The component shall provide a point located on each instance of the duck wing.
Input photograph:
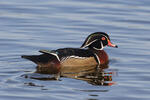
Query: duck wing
(64, 53)
(59, 54)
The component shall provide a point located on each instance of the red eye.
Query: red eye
(103, 38)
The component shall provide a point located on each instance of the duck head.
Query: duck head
(97, 41)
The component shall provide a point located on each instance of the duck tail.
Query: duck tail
(43, 58)
(33, 58)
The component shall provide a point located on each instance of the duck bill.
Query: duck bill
(112, 45)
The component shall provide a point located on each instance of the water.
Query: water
(27, 26)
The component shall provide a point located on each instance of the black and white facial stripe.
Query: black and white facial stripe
(96, 41)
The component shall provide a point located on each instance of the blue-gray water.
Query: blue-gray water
(27, 26)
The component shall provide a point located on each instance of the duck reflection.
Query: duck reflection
(95, 75)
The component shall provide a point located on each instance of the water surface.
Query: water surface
(27, 26)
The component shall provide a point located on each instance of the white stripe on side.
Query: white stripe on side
(55, 56)
(73, 56)
(77, 57)
(97, 59)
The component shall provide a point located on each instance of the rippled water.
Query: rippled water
(27, 26)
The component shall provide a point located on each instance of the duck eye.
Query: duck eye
(103, 38)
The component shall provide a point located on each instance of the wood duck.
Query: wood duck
(91, 53)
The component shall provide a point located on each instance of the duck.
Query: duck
(91, 53)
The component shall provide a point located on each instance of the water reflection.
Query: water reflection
(95, 75)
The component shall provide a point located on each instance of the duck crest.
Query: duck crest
(97, 41)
